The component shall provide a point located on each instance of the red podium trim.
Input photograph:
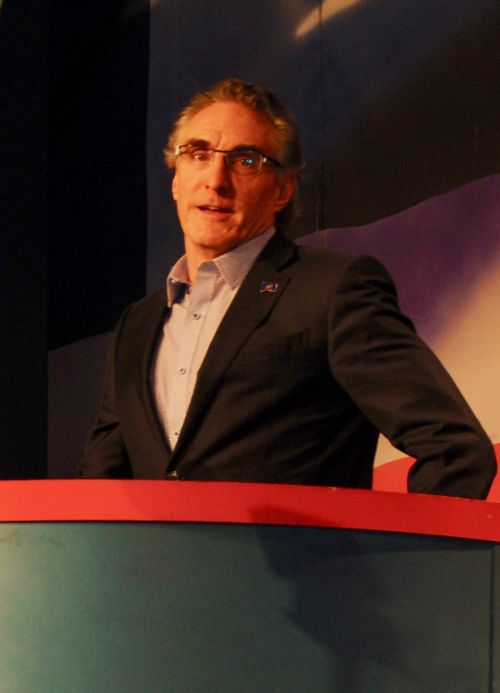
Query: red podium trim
(230, 502)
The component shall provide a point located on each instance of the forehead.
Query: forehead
(227, 124)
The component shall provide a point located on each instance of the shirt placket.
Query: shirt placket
(199, 299)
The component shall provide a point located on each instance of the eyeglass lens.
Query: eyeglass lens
(241, 161)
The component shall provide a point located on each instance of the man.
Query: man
(266, 361)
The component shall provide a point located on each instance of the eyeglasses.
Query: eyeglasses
(243, 162)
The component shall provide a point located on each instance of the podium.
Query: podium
(194, 587)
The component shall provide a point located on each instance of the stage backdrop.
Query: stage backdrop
(398, 106)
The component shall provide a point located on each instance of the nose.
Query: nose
(218, 174)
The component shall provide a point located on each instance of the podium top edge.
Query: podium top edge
(92, 500)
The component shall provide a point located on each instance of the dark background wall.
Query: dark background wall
(23, 239)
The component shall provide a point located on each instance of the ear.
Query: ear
(286, 189)
(174, 186)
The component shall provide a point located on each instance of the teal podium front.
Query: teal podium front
(185, 587)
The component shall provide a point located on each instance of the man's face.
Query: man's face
(219, 210)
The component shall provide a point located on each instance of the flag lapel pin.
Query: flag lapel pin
(268, 287)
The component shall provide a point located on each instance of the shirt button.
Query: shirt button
(196, 316)
(182, 371)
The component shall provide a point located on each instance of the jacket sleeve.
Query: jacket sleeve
(400, 385)
(105, 455)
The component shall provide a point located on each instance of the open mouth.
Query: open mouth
(214, 209)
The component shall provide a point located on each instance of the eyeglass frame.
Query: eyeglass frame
(264, 158)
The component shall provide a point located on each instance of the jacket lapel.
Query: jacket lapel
(249, 309)
(147, 338)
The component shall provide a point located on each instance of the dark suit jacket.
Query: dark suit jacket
(295, 387)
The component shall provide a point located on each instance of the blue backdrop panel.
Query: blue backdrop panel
(409, 103)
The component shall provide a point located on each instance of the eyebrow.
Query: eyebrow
(239, 148)
(201, 143)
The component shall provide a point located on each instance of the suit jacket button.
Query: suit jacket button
(172, 476)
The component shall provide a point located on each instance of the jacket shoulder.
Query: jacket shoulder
(339, 264)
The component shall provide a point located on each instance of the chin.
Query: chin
(216, 241)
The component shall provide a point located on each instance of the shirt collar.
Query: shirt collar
(233, 266)
(177, 281)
